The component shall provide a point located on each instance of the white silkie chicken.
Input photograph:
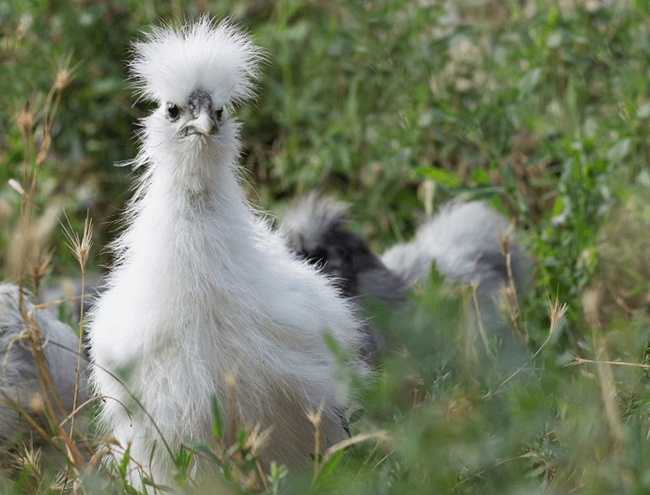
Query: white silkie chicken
(21, 389)
(202, 288)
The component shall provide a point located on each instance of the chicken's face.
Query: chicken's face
(192, 73)
(198, 116)
(193, 127)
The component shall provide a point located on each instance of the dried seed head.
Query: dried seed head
(315, 415)
(28, 239)
(62, 79)
(257, 439)
(39, 268)
(80, 247)
(27, 459)
(24, 117)
(64, 73)
(36, 403)
(63, 483)
(557, 312)
(504, 241)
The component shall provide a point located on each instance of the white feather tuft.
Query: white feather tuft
(455, 239)
(311, 218)
(215, 57)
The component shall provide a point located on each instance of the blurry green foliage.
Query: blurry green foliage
(540, 108)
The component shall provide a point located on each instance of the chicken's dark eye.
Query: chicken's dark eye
(218, 114)
(173, 111)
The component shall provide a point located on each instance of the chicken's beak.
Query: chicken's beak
(204, 125)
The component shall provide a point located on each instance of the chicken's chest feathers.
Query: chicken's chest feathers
(186, 271)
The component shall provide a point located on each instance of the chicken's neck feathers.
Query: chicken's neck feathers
(191, 224)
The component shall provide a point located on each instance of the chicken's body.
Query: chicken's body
(203, 289)
(20, 386)
(463, 241)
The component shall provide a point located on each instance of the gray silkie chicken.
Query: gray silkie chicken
(463, 240)
(20, 386)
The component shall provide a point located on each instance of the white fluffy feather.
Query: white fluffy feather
(202, 287)
(455, 239)
(170, 63)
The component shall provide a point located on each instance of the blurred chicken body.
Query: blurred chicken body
(20, 387)
(463, 241)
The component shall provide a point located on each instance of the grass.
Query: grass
(540, 108)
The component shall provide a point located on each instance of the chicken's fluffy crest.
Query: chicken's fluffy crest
(219, 58)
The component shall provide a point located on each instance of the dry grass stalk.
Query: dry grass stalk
(27, 249)
(381, 435)
(479, 318)
(577, 361)
(80, 249)
(230, 385)
(25, 416)
(613, 417)
(24, 118)
(251, 480)
(608, 393)
(509, 292)
(35, 343)
(39, 269)
(29, 258)
(49, 404)
(315, 417)
(27, 237)
(466, 336)
(557, 312)
(592, 302)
